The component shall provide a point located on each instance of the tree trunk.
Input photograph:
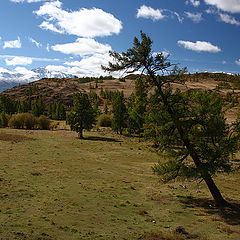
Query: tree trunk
(80, 134)
(219, 200)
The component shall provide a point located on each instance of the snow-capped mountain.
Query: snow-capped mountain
(11, 78)
(44, 73)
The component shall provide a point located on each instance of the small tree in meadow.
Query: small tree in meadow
(83, 116)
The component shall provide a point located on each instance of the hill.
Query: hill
(62, 89)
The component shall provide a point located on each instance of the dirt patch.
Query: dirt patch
(14, 137)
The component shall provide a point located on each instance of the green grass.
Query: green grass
(55, 186)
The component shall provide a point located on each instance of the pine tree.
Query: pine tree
(195, 123)
(119, 111)
(83, 116)
(137, 108)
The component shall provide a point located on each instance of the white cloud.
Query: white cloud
(199, 46)
(33, 58)
(148, 12)
(83, 23)
(193, 2)
(27, 73)
(228, 19)
(195, 17)
(232, 6)
(156, 14)
(38, 45)
(49, 26)
(91, 66)
(13, 44)
(165, 53)
(238, 62)
(18, 61)
(82, 47)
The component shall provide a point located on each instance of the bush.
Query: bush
(16, 121)
(104, 120)
(44, 123)
(29, 120)
(22, 120)
(54, 124)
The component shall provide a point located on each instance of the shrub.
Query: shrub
(29, 120)
(44, 123)
(16, 121)
(53, 124)
(22, 120)
(104, 120)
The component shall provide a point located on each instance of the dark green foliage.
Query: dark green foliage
(200, 114)
(24, 106)
(38, 108)
(137, 108)
(7, 105)
(94, 79)
(4, 119)
(119, 111)
(82, 116)
(56, 111)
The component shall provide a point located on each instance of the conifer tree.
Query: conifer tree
(195, 123)
(119, 111)
(83, 116)
(137, 108)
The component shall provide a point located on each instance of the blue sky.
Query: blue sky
(74, 36)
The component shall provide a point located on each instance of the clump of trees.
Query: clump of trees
(189, 126)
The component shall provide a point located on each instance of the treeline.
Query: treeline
(17, 113)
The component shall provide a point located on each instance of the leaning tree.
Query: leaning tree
(190, 125)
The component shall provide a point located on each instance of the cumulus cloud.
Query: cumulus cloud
(38, 45)
(195, 17)
(83, 23)
(149, 12)
(232, 6)
(18, 61)
(238, 62)
(82, 47)
(199, 46)
(193, 2)
(228, 19)
(156, 14)
(13, 44)
(33, 58)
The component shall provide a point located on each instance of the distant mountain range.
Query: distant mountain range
(9, 79)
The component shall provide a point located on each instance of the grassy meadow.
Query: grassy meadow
(56, 186)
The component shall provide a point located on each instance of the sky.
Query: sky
(75, 36)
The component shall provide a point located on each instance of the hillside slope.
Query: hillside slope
(62, 89)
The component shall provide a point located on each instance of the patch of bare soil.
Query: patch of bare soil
(14, 137)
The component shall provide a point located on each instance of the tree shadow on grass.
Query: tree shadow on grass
(229, 214)
(104, 139)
